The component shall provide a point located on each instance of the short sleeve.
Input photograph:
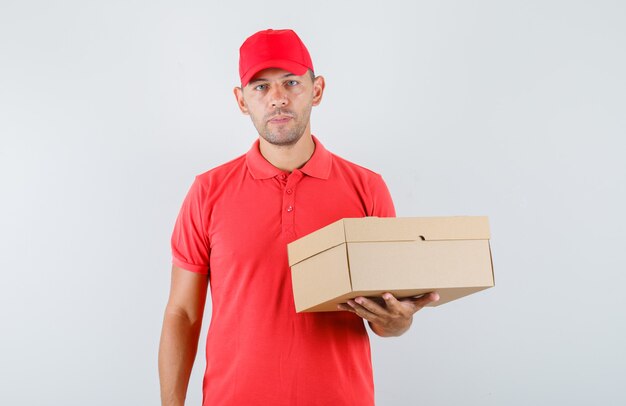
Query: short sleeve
(382, 203)
(190, 243)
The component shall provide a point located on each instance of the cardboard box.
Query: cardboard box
(405, 256)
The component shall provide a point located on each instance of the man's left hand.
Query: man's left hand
(393, 317)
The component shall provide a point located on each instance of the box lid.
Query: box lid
(372, 229)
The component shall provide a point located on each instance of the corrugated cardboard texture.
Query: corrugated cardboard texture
(322, 277)
(416, 228)
(404, 256)
(314, 243)
(419, 264)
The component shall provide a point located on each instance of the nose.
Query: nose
(278, 97)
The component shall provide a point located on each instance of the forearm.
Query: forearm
(177, 352)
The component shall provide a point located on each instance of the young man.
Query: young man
(233, 230)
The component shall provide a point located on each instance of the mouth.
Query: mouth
(279, 119)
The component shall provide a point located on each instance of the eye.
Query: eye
(292, 83)
(260, 87)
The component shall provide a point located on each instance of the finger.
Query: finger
(400, 306)
(391, 302)
(362, 311)
(370, 305)
(426, 299)
(345, 307)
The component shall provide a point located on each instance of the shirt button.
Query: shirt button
(290, 208)
(289, 191)
(283, 176)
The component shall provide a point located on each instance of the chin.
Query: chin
(283, 141)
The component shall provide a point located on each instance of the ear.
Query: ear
(240, 100)
(318, 89)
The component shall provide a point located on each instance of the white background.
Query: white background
(511, 109)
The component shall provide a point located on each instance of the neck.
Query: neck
(288, 157)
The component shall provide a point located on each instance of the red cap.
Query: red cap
(273, 49)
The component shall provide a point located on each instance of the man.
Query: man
(233, 229)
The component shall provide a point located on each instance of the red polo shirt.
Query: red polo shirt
(235, 224)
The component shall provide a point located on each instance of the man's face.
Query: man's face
(279, 104)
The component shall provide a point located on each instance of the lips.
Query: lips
(279, 119)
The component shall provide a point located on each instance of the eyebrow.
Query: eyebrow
(265, 80)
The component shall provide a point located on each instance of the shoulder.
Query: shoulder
(369, 185)
(345, 166)
(221, 172)
(211, 182)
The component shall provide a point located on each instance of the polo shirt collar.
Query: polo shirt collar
(318, 166)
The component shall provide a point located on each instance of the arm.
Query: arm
(391, 319)
(181, 330)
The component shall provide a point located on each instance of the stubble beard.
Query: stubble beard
(284, 136)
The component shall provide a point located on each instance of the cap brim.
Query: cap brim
(290, 66)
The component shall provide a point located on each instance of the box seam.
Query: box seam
(317, 253)
(345, 238)
(493, 273)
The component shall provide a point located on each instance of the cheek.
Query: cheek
(298, 91)
(251, 100)
(253, 108)
(255, 116)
